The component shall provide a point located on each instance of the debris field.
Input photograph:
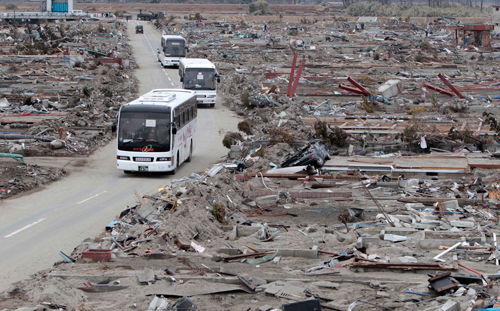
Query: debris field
(62, 86)
(364, 176)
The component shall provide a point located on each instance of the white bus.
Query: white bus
(155, 131)
(199, 75)
(174, 49)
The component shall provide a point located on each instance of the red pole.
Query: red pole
(452, 88)
(437, 89)
(291, 74)
(359, 86)
(296, 82)
(351, 89)
(472, 270)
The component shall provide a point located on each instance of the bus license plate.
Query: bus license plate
(143, 168)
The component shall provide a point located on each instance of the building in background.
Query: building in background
(58, 6)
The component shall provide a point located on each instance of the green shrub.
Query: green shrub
(28, 101)
(245, 127)
(229, 138)
(245, 99)
(219, 213)
(86, 91)
(106, 92)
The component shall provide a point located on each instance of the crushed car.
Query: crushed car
(314, 154)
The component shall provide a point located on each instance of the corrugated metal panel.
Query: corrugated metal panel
(60, 7)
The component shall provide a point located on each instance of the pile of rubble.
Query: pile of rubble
(63, 86)
(239, 236)
(20, 177)
(332, 189)
(377, 83)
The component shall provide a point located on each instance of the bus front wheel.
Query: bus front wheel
(176, 165)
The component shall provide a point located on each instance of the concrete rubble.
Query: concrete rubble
(61, 87)
(403, 216)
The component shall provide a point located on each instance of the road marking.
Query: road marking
(154, 54)
(94, 196)
(152, 50)
(25, 227)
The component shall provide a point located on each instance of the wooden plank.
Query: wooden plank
(432, 200)
(463, 126)
(480, 165)
(479, 127)
(356, 263)
(381, 162)
(244, 256)
(301, 194)
(270, 215)
(141, 201)
(303, 176)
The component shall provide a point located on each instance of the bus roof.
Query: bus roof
(196, 63)
(164, 97)
(167, 37)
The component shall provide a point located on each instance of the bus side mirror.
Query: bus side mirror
(174, 130)
(182, 79)
(187, 49)
(218, 79)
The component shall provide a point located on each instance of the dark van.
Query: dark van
(139, 29)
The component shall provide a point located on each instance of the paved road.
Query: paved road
(36, 226)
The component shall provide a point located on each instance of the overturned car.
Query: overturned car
(313, 154)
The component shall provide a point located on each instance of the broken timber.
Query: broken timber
(356, 263)
(338, 196)
(301, 176)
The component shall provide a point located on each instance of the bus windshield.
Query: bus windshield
(199, 79)
(175, 48)
(144, 131)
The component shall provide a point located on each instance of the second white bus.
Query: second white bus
(200, 75)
